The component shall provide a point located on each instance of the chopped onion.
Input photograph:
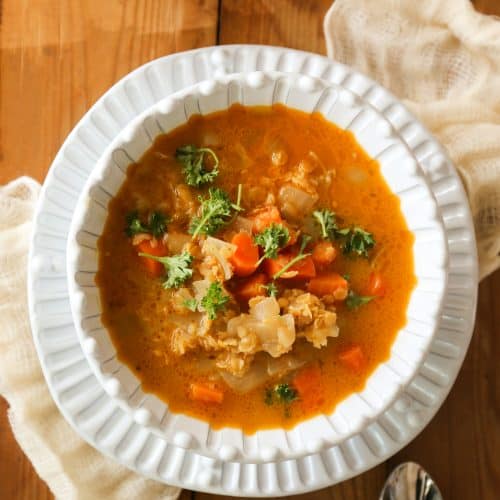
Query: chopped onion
(283, 365)
(265, 308)
(242, 224)
(221, 251)
(257, 375)
(295, 202)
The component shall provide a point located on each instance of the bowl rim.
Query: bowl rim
(254, 81)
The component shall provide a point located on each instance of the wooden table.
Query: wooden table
(58, 57)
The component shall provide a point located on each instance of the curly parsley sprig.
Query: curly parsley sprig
(271, 239)
(156, 225)
(213, 301)
(354, 240)
(177, 267)
(215, 212)
(193, 163)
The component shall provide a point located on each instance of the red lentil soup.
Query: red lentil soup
(254, 268)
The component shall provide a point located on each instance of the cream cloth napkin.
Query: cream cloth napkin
(442, 58)
(71, 467)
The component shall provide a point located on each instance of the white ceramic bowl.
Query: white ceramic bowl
(403, 175)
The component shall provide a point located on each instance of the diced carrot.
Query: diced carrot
(251, 287)
(264, 217)
(159, 250)
(376, 285)
(206, 393)
(304, 268)
(327, 284)
(353, 357)
(246, 255)
(309, 386)
(307, 378)
(324, 253)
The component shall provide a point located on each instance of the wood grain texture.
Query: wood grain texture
(57, 57)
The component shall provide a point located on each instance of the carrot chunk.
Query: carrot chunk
(251, 287)
(324, 253)
(303, 269)
(159, 250)
(246, 255)
(353, 357)
(309, 386)
(327, 284)
(376, 285)
(265, 217)
(206, 393)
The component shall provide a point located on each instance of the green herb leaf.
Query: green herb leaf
(285, 393)
(301, 255)
(191, 304)
(177, 267)
(214, 300)
(354, 240)
(215, 212)
(237, 206)
(353, 300)
(358, 241)
(271, 239)
(193, 164)
(156, 225)
(327, 220)
(271, 289)
(281, 394)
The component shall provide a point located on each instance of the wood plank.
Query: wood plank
(19, 479)
(487, 6)
(56, 59)
(288, 23)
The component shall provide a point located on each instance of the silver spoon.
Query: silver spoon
(409, 481)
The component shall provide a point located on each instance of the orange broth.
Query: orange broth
(134, 304)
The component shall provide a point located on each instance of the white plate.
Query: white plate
(404, 178)
(105, 425)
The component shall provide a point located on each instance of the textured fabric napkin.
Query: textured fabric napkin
(442, 58)
(439, 56)
(71, 467)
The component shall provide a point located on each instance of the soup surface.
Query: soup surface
(254, 267)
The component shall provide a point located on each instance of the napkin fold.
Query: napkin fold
(71, 468)
(442, 58)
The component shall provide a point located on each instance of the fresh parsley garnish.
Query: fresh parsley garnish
(354, 300)
(193, 164)
(215, 212)
(271, 239)
(354, 240)
(281, 394)
(214, 300)
(327, 221)
(191, 304)
(177, 267)
(271, 289)
(156, 225)
(358, 241)
(301, 255)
